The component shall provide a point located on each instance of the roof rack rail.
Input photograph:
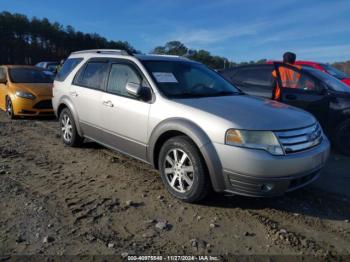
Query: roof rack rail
(178, 56)
(103, 51)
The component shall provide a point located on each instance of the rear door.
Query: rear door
(86, 93)
(307, 93)
(254, 80)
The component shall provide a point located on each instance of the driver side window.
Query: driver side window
(119, 76)
(306, 83)
(294, 78)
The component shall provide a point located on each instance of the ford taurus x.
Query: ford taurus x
(187, 121)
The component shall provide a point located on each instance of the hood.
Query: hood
(41, 89)
(246, 112)
(346, 81)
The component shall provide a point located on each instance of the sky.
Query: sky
(241, 30)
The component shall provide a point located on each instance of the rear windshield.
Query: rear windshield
(30, 75)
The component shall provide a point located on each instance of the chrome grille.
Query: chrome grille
(300, 139)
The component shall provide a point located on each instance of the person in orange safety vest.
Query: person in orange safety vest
(289, 77)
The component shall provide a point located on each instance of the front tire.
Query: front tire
(69, 133)
(9, 109)
(183, 170)
(342, 138)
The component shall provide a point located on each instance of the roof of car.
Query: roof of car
(153, 57)
(246, 66)
(300, 62)
(117, 52)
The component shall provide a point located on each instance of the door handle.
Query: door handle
(75, 94)
(291, 97)
(107, 103)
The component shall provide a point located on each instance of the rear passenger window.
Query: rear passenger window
(120, 75)
(93, 75)
(67, 67)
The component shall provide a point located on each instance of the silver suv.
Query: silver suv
(185, 120)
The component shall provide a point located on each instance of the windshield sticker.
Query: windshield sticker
(164, 77)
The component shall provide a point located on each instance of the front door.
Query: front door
(303, 91)
(124, 117)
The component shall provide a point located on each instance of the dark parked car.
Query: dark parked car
(50, 66)
(324, 96)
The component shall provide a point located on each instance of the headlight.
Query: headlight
(25, 95)
(265, 140)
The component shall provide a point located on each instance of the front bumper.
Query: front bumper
(257, 173)
(40, 106)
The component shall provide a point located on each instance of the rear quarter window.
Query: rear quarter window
(67, 67)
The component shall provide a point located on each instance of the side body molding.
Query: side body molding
(199, 137)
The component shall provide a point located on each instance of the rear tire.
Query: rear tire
(9, 109)
(69, 132)
(342, 138)
(183, 170)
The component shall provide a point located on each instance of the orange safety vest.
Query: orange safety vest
(289, 78)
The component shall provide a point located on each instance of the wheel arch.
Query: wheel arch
(66, 103)
(177, 126)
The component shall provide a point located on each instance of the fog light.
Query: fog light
(266, 187)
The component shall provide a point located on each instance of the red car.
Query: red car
(325, 68)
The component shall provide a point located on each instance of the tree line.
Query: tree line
(343, 66)
(203, 56)
(29, 41)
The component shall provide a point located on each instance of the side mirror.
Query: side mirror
(133, 89)
(138, 91)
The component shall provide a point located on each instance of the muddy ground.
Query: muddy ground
(87, 201)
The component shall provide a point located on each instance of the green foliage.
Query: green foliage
(343, 66)
(28, 41)
(203, 56)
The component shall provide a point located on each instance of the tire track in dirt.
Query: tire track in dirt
(91, 185)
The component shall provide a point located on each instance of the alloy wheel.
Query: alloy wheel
(178, 170)
(67, 129)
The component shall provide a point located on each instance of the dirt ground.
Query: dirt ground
(88, 201)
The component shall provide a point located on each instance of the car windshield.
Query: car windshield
(335, 72)
(30, 75)
(185, 79)
(334, 83)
